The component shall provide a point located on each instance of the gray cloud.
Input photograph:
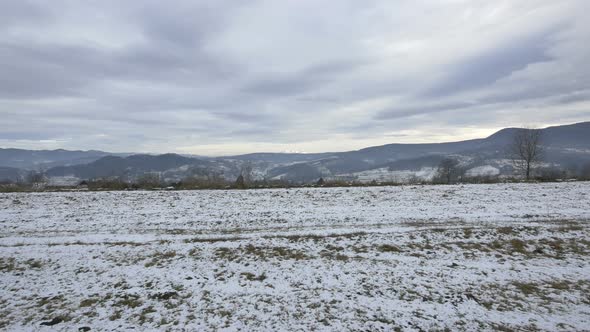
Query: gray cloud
(489, 67)
(25, 11)
(149, 76)
(302, 81)
(403, 112)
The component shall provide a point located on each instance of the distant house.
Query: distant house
(82, 185)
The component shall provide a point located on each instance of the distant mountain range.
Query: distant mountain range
(44, 159)
(566, 147)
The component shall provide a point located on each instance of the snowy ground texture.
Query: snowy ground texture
(474, 257)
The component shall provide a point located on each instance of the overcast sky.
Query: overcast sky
(225, 77)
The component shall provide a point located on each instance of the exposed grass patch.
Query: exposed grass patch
(360, 249)
(34, 263)
(527, 288)
(316, 237)
(334, 255)
(122, 259)
(388, 248)
(226, 253)
(467, 232)
(501, 327)
(160, 257)
(213, 239)
(116, 315)
(123, 243)
(257, 252)
(128, 301)
(341, 257)
(334, 248)
(562, 285)
(110, 244)
(252, 277)
(88, 302)
(10, 264)
(570, 228)
(518, 246)
(50, 301)
(524, 295)
(164, 296)
(496, 245)
(194, 252)
(143, 316)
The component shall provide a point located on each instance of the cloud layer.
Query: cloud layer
(225, 77)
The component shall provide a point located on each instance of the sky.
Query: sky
(227, 77)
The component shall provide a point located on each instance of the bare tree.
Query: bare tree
(320, 182)
(246, 172)
(585, 171)
(448, 170)
(149, 180)
(240, 182)
(526, 150)
(36, 179)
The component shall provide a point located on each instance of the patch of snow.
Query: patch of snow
(485, 170)
(279, 177)
(399, 176)
(63, 181)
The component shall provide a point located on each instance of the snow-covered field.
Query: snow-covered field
(474, 257)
